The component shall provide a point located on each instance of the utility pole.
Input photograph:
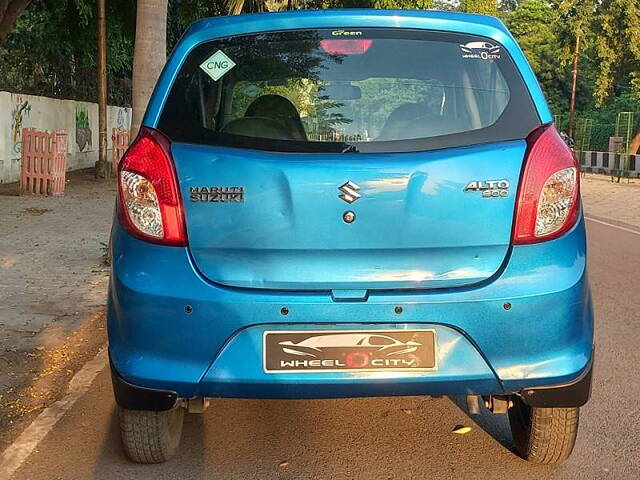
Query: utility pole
(573, 87)
(101, 164)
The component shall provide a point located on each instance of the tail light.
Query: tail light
(150, 204)
(549, 195)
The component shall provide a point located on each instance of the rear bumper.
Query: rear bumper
(171, 330)
(572, 394)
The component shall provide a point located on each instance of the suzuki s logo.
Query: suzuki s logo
(349, 192)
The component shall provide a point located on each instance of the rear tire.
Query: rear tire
(543, 435)
(151, 437)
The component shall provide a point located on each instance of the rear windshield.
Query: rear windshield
(352, 90)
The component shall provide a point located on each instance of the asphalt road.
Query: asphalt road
(382, 438)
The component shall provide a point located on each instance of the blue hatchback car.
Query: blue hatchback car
(349, 203)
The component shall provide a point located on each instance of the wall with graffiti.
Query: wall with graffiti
(79, 119)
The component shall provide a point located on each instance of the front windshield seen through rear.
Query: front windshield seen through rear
(346, 90)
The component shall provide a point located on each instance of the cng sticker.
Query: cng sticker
(217, 65)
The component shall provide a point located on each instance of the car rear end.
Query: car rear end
(351, 203)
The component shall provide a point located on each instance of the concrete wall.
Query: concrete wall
(79, 119)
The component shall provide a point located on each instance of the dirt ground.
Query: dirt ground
(53, 283)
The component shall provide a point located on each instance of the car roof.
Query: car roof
(470, 19)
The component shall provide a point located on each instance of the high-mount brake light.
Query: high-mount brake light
(549, 196)
(150, 203)
(346, 47)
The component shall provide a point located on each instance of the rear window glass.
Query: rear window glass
(355, 90)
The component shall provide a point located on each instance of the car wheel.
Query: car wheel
(543, 435)
(151, 437)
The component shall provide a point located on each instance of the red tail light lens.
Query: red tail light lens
(150, 203)
(346, 47)
(549, 194)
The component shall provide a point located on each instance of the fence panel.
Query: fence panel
(43, 162)
(120, 140)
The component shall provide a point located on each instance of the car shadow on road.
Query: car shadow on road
(496, 425)
(345, 438)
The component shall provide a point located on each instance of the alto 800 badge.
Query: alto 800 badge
(489, 188)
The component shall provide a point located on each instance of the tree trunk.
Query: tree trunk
(635, 143)
(10, 10)
(572, 107)
(102, 167)
(149, 55)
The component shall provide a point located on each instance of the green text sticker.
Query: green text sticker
(217, 65)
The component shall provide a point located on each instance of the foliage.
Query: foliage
(403, 4)
(183, 13)
(239, 6)
(44, 56)
(604, 119)
(234, 7)
(618, 49)
(484, 7)
(535, 24)
(547, 31)
(444, 5)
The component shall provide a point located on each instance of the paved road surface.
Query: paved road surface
(382, 438)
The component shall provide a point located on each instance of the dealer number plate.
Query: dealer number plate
(349, 351)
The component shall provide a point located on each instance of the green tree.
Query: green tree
(183, 13)
(535, 25)
(403, 4)
(604, 118)
(240, 6)
(617, 48)
(235, 7)
(444, 5)
(44, 56)
(618, 52)
(484, 7)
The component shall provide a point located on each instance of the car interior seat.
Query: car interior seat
(416, 120)
(269, 116)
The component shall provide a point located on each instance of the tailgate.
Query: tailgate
(416, 225)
